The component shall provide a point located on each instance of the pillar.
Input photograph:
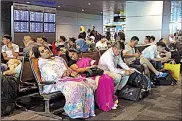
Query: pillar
(146, 18)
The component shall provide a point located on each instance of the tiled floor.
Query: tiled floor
(163, 104)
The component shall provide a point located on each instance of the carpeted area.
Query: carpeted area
(163, 104)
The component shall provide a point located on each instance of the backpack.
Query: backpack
(168, 80)
(138, 80)
(136, 87)
(9, 90)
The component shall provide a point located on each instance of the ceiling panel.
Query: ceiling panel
(84, 6)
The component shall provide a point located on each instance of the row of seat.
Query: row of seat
(30, 71)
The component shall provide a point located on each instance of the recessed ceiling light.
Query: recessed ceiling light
(59, 6)
(82, 9)
(89, 3)
(28, 2)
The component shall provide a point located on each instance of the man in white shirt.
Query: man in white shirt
(152, 53)
(102, 44)
(135, 59)
(9, 49)
(109, 62)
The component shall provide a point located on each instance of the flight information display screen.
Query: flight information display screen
(21, 15)
(49, 17)
(36, 16)
(36, 27)
(21, 26)
(49, 27)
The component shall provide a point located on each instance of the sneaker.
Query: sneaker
(161, 74)
(114, 108)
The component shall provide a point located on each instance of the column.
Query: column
(144, 18)
(166, 20)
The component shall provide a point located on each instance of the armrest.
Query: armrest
(47, 82)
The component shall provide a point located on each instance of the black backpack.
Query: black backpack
(136, 87)
(138, 80)
(9, 90)
(168, 80)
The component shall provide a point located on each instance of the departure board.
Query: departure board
(21, 26)
(36, 16)
(21, 15)
(49, 17)
(36, 27)
(49, 27)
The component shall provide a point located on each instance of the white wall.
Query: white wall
(143, 18)
(68, 23)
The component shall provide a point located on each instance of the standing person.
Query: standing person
(9, 49)
(115, 35)
(88, 33)
(109, 62)
(82, 30)
(108, 35)
(121, 35)
(93, 32)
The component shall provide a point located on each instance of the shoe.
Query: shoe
(116, 105)
(161, 74)
(114, 108)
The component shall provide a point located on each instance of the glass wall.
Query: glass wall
(176, 16)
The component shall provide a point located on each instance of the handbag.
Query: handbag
(174, 68)
(130, 93)
(95, 71)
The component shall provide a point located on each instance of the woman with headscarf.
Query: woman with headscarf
(81, 44)
(82, 30)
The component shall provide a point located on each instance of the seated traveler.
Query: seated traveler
(9, 49)
(14, 68)
(134, 59)
(43, 40)
(105, 98)
(91, 43)
(29, 43)
(109, 62)
(78, 91)
(71, 45)
(102, 44)
(152, 54)
(81, 44)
